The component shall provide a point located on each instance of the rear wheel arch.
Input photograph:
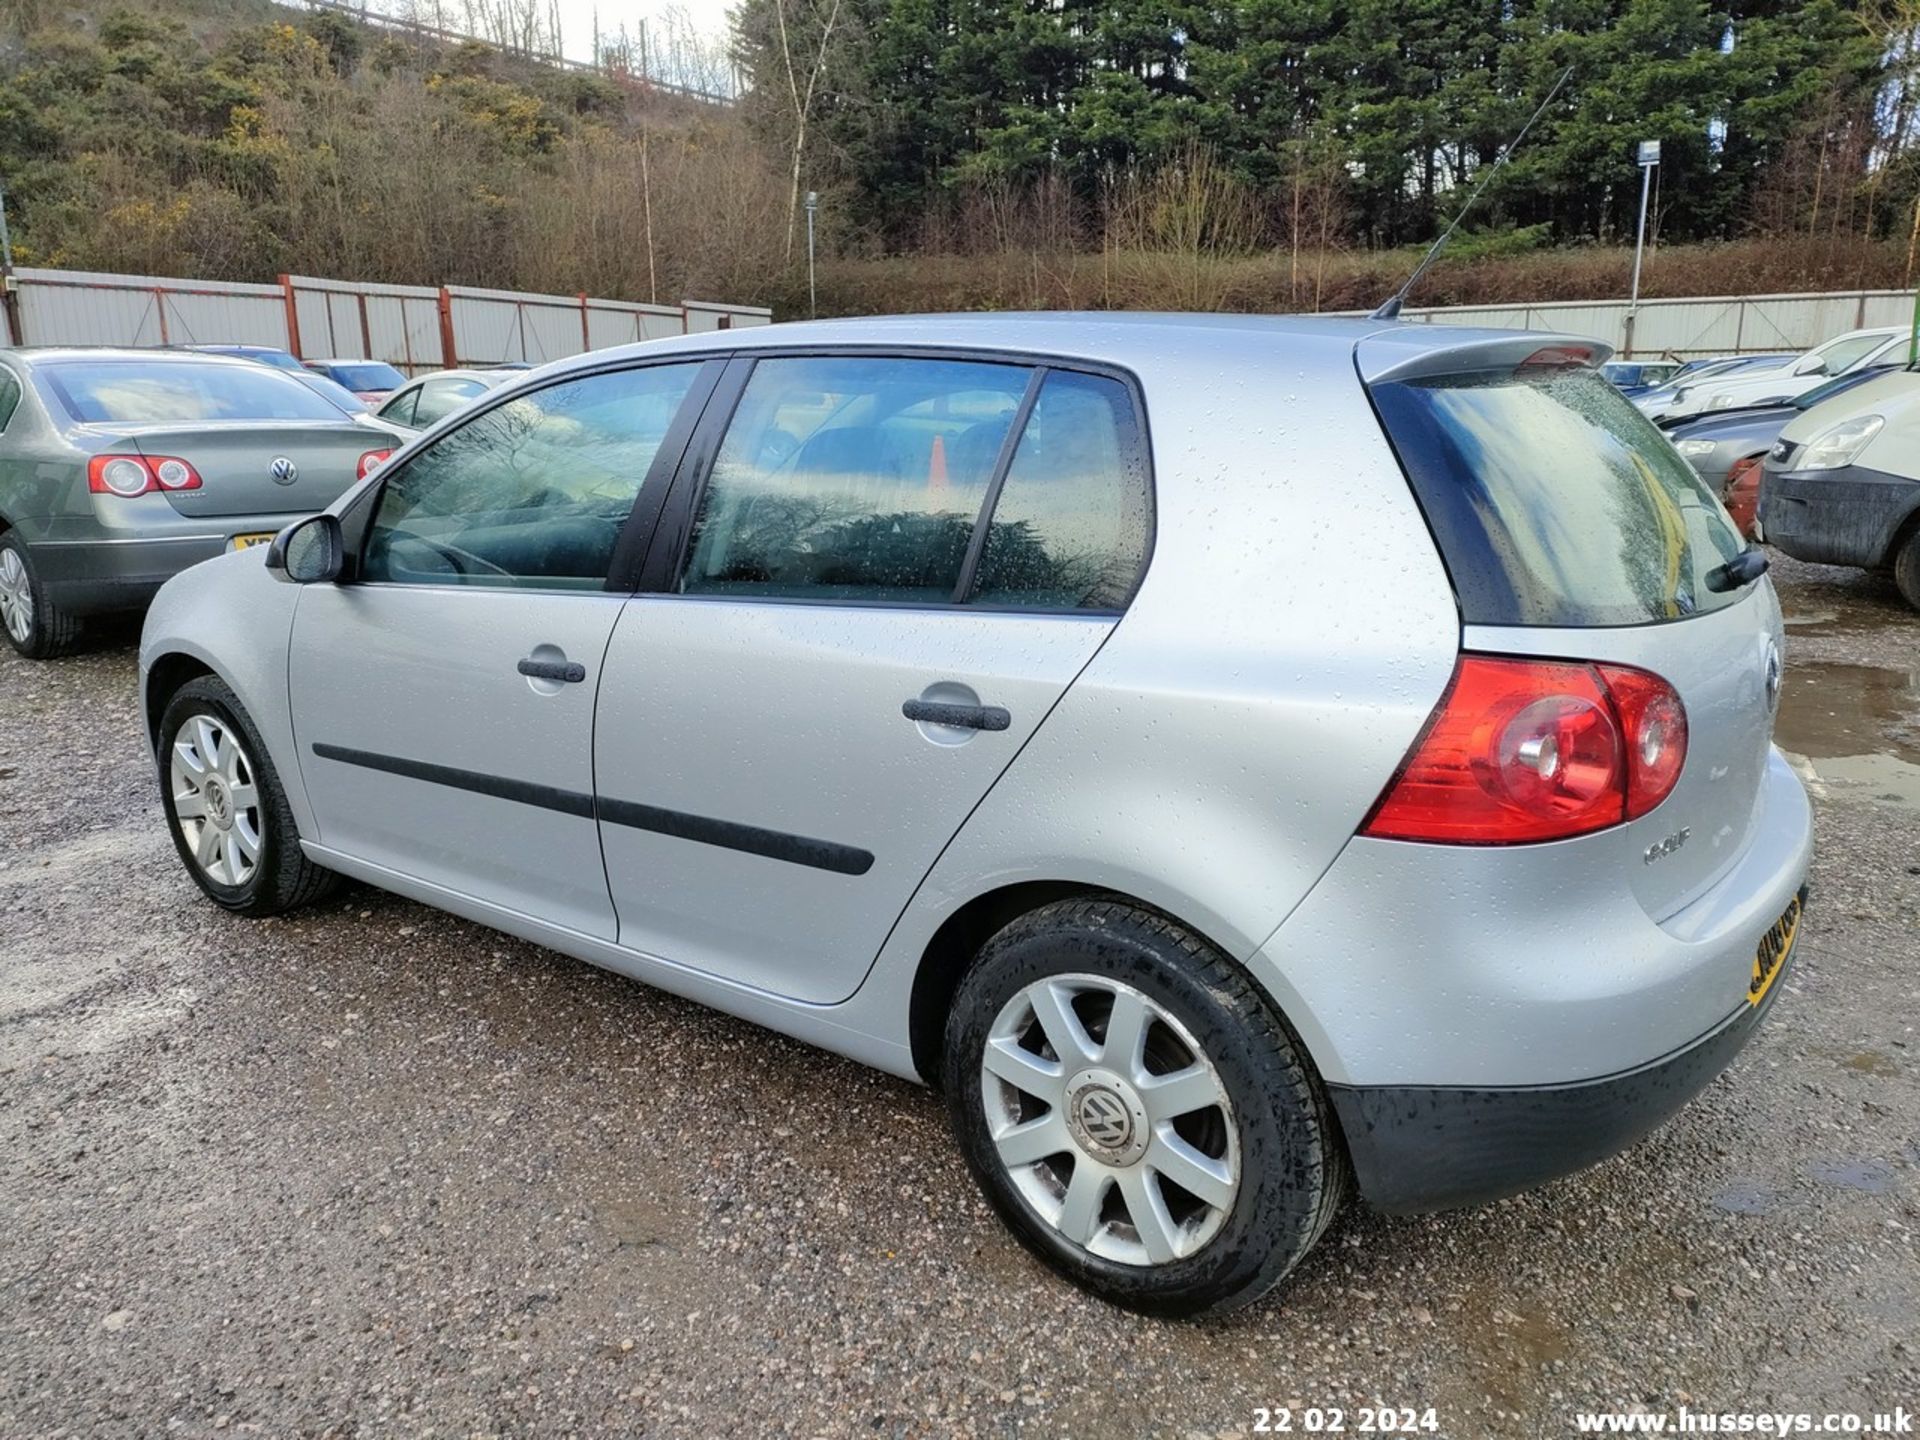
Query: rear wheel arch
(960, 936)
(951, 950)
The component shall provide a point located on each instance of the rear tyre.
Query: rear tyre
(226, 808)
(35, 626)
(1906, 569)
(1137, 1113)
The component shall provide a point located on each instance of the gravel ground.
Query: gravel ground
(375, 1170)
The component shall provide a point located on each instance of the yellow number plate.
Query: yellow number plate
(247, 542)
(1771, 957)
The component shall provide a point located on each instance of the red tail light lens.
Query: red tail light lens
(1655, 724)
(370, 462)
(1526, 750)
(131, 475)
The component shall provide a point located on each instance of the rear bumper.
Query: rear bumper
(94, 577)
(1421, 1148)
(1848, 516)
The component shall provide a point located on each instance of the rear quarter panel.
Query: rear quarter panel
(1294, 630)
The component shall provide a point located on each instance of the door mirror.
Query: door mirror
(309, 551)
(1811, 365)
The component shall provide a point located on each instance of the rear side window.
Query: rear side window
(870, 480)
(179, 391)
(1070, 529)
(1554, 501)
(9, 397)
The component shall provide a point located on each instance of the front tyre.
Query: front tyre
(1906, 569)
(1136, 1112)
(226, 807)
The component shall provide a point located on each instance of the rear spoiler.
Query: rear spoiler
(1409, 352)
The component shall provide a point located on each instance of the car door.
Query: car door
(874, 581)
(443, 693)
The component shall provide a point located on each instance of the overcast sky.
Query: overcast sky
(709, 17)
(706, 18)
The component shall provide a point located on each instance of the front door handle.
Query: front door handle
(966, 717)
(567, 672)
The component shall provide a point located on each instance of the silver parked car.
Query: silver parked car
(1231, 757)
(423, 403)
(119, 468)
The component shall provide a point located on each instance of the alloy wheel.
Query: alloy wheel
(1111, 1121)
(215, 801)
(16, 596)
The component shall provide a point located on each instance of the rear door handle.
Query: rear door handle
(568, 672)
(967, 717)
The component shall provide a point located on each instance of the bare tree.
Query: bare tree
(802, 99)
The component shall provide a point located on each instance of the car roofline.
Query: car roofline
(1126, 338)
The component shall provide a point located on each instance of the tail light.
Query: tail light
(370, 462)
(1523, 750)
(131, 475)
(1654, 723)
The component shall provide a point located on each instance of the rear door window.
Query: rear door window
(1554, 501)
(872, 480)
(853, 479)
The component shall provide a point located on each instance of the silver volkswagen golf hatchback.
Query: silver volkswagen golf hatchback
(1235, 759)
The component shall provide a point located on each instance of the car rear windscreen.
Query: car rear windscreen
(1554, 501)
(374, 376)
(172, 392)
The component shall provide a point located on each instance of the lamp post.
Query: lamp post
(813, 295)
(1649, 157)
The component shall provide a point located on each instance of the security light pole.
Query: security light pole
(1649, 157)
(813, 296)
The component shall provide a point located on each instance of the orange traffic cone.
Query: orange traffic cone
(937, 464)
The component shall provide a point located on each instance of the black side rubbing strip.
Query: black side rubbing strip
(969, 717)
(774, 844)
(547, 797)
(570, 672)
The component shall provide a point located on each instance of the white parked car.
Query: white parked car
(1837, 356)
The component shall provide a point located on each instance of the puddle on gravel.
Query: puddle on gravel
(1867, 1176)
(1858, 726)
(1863, 602)
(1744, 1198)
